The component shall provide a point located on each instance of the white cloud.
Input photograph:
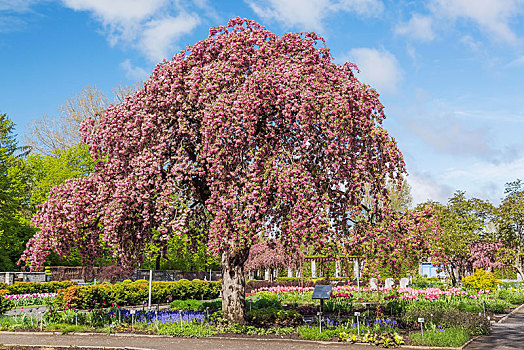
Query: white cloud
(310, 14)
(485, 180)
(491, 16)
(378, 68)
(12, 14)
(117, 10)
(152, 26)
(160, 35)
(133, 72)
(426, 188)
(447, 134)
(418, 27)
(482, 180)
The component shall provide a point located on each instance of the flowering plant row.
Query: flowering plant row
(378, 294)
(19, 300)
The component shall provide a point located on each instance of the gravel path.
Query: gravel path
(166, 343)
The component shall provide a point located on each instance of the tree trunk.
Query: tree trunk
(519, 262)
(157, 262)
(234, 286)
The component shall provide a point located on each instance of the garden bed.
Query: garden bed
(387, 316)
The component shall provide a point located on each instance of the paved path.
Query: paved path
(507, 335)
(167, 343)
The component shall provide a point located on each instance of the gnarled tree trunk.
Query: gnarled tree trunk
(234, 286)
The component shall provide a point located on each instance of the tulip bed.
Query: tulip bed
(34, 299)
(387, 316)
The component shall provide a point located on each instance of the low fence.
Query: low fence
(71, 273)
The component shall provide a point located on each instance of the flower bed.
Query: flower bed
(35, 299)
(387, 316)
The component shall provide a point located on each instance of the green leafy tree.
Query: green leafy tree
(462, 222)
(510, 222)
(48, 171)
(15, 229)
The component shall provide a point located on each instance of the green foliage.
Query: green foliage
(271, 317)
(420, 282)
(313, 333)
(66, 328)
(498, 306)
(462, 222)
(435, 314)
(512, 296)
(35, 287)
(252, 330)
(51, 170)
(5, 304)
(481, 280)
(15, 212)
(452, 337)
(184, 329)
(136, 293)
(266, 303)
(189, 304)
(212, 305)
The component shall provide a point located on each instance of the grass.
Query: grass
(313, 333)
(67, 328)
(187, 330)
(453, 337)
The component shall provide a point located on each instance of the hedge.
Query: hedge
(136, 293)
(35, 287)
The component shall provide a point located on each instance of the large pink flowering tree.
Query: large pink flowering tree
(246, 134)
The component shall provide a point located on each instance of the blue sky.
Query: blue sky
(450, 72)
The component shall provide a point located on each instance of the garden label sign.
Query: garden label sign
(322, 292)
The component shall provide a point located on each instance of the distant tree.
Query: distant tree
(401, 198)
(463, 222)
(395, 244)
(49, 135)
(510, 222)
(247, 134)
(487, 255)
(272, 254)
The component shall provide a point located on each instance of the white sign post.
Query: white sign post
(357, 314)
(150, 285)
(421, 321)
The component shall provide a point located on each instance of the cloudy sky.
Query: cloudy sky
(450, 72)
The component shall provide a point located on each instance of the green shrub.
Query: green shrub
(104, 295)
(266, 304)
(497, 305)
(213, 306)
(514, 297)
(35, 287)
(189, 304)
(420, 282)
(5, 304)
(481, 280)
(474, 323)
